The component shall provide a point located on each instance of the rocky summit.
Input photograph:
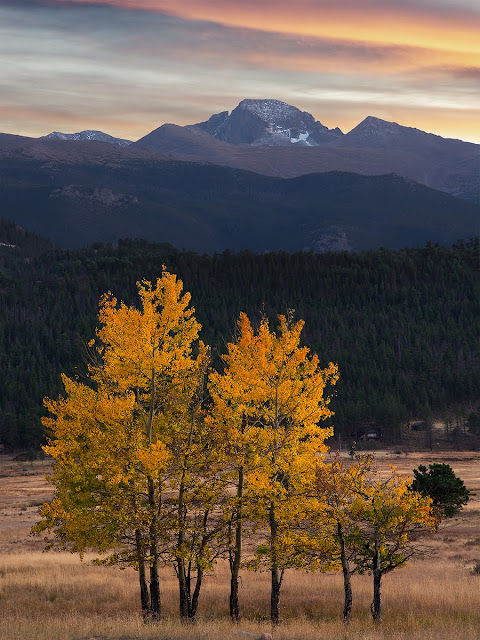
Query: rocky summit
(268, 123)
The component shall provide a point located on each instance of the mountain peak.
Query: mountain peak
(268, 122)
(375, 131)
(272, 111)
(375, 128)
(89, 134)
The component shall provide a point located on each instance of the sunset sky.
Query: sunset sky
(128, 66)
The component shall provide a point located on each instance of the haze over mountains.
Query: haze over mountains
(239, 181)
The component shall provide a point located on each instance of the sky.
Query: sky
(128, 66)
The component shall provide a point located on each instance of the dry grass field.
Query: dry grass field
(54, 596)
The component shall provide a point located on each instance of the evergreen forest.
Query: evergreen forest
(403, 325)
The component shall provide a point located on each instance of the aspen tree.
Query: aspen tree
(333, 520)
(271, 400)
(373, 519)
(388, 516)
(116, 441)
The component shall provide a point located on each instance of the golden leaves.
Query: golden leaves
(138, 345)
(269, 402)
(114, 438)
(271, 379)
(374, 513)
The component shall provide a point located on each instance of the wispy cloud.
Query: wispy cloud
(453, 24)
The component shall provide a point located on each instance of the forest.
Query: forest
(402, 325)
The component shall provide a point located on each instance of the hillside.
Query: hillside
(76, 193)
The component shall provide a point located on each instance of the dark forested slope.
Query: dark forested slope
(89, 196)
(403, 326)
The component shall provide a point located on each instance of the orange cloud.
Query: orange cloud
(421, 24)
(384, 60)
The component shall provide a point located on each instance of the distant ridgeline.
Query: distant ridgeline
(402, 325)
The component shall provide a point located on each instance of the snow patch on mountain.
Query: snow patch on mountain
(302, 137)
(89, 134)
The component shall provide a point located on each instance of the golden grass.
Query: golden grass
(54, 596)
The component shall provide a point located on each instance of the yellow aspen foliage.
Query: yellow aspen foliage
(149, 350)
(95, 442)
(388, 514)
(271, 396)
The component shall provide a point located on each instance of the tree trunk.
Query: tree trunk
(234, 602)
(275, 595)
(196, 594)
(184, 599)
(185, 604)
(347, 582)
(155, 601)
(144, 599)
(276, 574)
(183, 593)
(376, 607)
(237, 553)
(182, 589)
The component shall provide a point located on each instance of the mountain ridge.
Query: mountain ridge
(273, 138)
(89, 134)
(381, 184)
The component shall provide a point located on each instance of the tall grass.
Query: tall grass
(54, 596)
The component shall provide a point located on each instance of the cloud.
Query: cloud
(146, 36)
(454, 73)
(454, 24)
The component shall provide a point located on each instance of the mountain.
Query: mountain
(268, 123)
(186, 143)
(375, 131)
(99, 136)
(276, 139)
(59, 151)
(77, 193)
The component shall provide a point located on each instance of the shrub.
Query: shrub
(448, 492)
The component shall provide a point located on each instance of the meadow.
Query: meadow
(55, 596)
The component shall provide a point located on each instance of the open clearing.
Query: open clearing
(54, 596)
